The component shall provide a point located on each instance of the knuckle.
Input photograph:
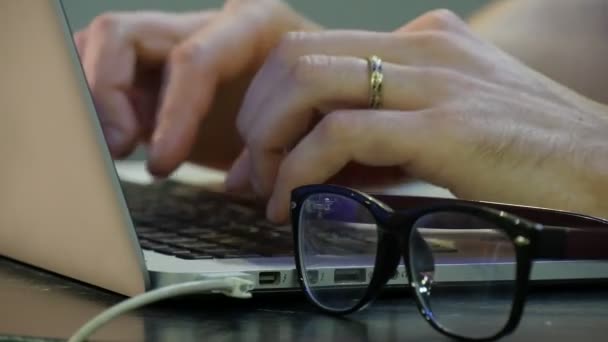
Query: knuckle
(188, 54)
(434, 40)
(287, 46)
(442, 19)
(292, 39)
(106, 23)
(236, 3)
(239, 3)
(334, 125)
(268, 8)
(306, 69)
(184, 54)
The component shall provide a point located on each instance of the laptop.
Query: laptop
(64, 208)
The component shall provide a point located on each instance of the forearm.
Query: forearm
(564, 39)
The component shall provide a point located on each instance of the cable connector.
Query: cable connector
(241, 288)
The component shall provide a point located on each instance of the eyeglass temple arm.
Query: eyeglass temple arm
(562, 243)
(565, 235)
(548, 217)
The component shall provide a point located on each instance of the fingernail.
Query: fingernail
(155, 164)
(157, 170)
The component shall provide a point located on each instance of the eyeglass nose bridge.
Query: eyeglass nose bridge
(417, 254)
(392, 250)
(411, 242)
(389, 255)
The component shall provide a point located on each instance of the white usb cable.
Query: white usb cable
(230, 286)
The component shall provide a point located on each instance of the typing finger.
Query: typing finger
(224, 49)
(372, 138)
(238, 179)
(115, 43)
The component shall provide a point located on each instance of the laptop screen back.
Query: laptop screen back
(61, 208)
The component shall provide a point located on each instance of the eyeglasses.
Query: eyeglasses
(349, 245)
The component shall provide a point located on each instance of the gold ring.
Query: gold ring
(375, 81)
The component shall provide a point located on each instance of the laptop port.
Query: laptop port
(269, 278)
(312, 277)
(349, 275)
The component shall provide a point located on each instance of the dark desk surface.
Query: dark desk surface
(38, 304)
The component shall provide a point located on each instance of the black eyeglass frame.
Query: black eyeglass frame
(525, 235)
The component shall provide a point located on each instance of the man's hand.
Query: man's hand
(457, 112)
(176, 81)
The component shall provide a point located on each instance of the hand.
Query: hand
(176, 81)
(457, 112)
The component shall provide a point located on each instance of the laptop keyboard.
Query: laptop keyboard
(189, 222)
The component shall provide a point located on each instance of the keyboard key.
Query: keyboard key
(283, 229)
(199, 245)
(242, 211)
(273, 234)
(233, 241)
(216, 221)
(178, 240)
(162, 236)
(149, 244)
(265, 224)
(245, 229)
(196, 231)
(145, 230)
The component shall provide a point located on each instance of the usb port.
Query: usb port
(312, 276)
(269, 278)
(349, 275)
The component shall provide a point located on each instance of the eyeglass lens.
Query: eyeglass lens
(338, 238)
(464, 272)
